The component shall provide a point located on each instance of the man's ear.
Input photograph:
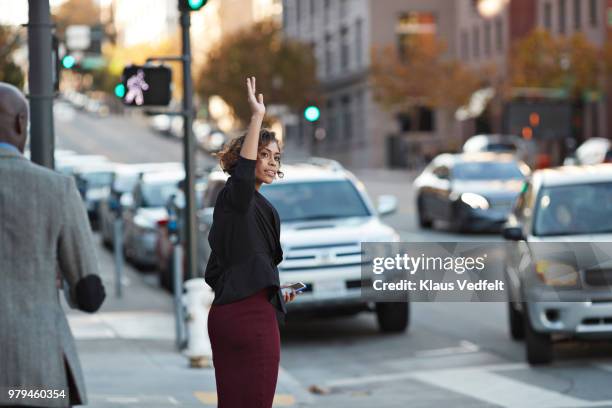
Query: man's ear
(21, 123)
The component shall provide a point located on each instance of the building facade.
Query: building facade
(358, 132)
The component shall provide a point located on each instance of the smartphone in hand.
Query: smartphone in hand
(297, 287)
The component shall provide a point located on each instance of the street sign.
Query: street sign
(146, 85)
(78, 37)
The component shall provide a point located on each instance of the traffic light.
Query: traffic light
(68, 61)
(145, 85)
(312, 113)
(191, 5)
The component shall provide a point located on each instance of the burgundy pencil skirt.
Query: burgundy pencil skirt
(245, 343)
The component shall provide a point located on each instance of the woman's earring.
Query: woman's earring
(280, 174)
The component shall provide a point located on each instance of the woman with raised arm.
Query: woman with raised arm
(245, 243)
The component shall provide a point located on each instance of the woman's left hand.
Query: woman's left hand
(289, 296)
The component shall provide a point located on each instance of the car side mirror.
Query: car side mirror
(513, 233)
(387, 204)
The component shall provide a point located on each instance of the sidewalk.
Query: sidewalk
(128, 355)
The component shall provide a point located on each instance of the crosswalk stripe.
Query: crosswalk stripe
(495, 389)
(210, 398)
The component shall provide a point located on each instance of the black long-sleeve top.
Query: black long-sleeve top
(245, 242)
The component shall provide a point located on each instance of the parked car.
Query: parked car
(594, 151)
(499, 143)
(67, 164)
(124, 181)
(326, 214)
(94, 182)
(470, 191)
(165, 248)
(149, 198)
(556, 286)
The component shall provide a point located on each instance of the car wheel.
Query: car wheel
(538, 346)
(393, 317)
(516, 323)
(424, 222)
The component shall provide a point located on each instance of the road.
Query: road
(454, 354)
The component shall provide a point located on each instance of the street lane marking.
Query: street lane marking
(280, 400)
(495, 389)
(484, 384)
(463, 348)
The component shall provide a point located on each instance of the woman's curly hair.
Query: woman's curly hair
(228, 156)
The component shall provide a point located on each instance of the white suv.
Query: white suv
(325, 216)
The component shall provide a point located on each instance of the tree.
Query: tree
(542, 61)
(285, 69)
(76, 12)
(9, 71)
(420, 77)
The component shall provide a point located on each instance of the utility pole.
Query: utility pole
(40, 82)
(188, 149)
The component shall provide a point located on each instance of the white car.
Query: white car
(325, 216)
(559, 269)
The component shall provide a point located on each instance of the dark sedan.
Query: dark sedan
(470, 191)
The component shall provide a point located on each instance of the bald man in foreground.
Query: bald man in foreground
(43, 225)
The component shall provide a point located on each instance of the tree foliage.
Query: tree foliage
(285, 69)
(76, 12)
(422, 76)
(9, 71)
(541, 60)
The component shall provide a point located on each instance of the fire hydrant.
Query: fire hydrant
(198, 298)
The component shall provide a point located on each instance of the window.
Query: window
(548, 15)
(593, 12)
(285, 21)
(347, 118)
(326, 10)
(298, 13)
(577, 14)
(328, 54)
(562, 18)
(343, 9)
(312, 8)
(414, 27)
(465, 45)
(358, 42)
(499, 34)
(360, 115)
(344, 48)
(487, 39)
(476, 40)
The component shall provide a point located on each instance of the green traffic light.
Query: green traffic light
(196, 4)
(68, 61)
(120, 91)
(312, 113)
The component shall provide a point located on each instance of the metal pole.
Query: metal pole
(177, 286)
(118, 249)
(40, 82)
(188, 151)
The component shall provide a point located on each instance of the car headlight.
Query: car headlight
(475, 201)
(556, 273)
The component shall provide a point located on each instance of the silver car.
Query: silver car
(148, 207)
(558, 261)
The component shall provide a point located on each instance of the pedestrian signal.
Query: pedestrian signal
(145, 86)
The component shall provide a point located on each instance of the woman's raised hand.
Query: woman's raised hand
(257, 103)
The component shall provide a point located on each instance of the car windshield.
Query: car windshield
(97, 179)
(315, 200)
(157, 194)
(575, 209)
(487, 171)
(125, 182)
(501, 147)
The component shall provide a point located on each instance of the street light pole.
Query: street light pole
(40, 82)
(188, 149)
